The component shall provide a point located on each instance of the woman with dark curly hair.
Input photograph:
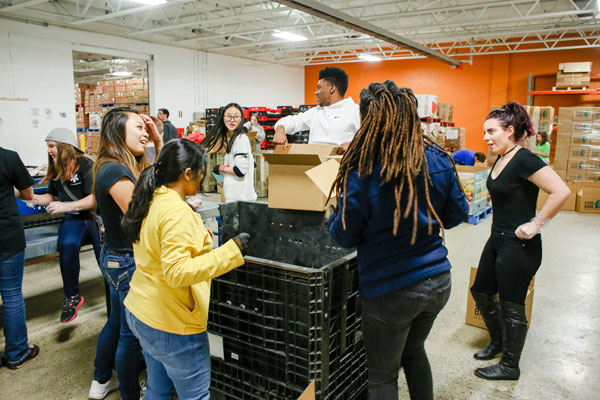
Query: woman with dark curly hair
(397, 191)
(513, 253)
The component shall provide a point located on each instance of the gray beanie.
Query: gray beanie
(63, 135)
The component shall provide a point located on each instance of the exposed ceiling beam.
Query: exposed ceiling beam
(261, 13)
(329, 14)
(128, 11)
(24, 4)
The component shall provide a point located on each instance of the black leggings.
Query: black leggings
(507, 265)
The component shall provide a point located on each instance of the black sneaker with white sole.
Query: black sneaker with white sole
(70, 307)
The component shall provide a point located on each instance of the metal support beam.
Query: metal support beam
(24, 4)
(128, 11)
(329, 14)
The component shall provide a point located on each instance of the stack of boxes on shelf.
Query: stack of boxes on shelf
(95, 100)
(577, 154)
(437, 123)
(575, 75)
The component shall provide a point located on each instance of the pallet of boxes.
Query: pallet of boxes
(577, 157)
(574, 75)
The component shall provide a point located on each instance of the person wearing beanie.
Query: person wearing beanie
(69, 180)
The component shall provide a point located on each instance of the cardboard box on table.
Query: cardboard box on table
(473, 316)
(292, 184)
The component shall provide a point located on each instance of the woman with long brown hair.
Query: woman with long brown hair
(120, 161)
(69, 180)
(397, 192)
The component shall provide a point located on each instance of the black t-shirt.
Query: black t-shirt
(13, 174)
(108, 174)
(514, 197)
(80, 185)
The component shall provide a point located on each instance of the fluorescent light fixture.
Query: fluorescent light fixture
(292, 37)
(369, 57)
(151, 2)
(121, 73)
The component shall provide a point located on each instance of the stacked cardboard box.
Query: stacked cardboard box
(446, 112)
(81, 118)
(577, 154)
(455, 139)
(427, 105)
(473, 180)
(574, 75)
(92, 141)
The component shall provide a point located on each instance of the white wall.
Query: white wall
(253, 83)
(179, 79)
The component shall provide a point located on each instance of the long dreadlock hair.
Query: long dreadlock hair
(390, 134)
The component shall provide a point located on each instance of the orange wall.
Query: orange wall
(491, 80)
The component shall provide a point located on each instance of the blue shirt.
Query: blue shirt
(386, 262)
(464, 157)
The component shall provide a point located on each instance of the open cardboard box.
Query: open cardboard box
(474, 317)
(301, 175)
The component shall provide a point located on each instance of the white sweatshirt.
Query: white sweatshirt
(240, 188)
(334, 124)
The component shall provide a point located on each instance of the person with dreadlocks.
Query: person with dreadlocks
(513, 253)
(397, 191)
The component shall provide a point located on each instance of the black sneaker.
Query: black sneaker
(70, 307)
(34, 350)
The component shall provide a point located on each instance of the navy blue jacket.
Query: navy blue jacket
(386, 262)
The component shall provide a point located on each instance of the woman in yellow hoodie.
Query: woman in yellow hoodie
(167, 304)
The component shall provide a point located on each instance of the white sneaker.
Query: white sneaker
(98, 390)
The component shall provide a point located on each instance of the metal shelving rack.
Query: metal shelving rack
(531, 92)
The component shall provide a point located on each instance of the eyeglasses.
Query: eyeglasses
(230, 117)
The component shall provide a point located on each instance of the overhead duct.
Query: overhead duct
(330, 14)
(81, 74)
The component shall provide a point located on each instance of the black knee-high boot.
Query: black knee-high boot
(515, 331)
(490, 311)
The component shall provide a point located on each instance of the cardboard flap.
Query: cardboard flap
(293, 159)
(318, 149)
(309, 392)
(324, 175)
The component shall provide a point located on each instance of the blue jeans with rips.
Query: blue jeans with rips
(15, 329)
(117, 346)
(180, 362)
(395, 327)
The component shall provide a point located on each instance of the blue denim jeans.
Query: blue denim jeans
(75, 231)
(179, 361)
(15, 330)
(395, 327)
(117, 346)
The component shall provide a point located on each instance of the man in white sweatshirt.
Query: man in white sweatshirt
(334, 121)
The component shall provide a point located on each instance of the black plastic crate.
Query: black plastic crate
(291, 314)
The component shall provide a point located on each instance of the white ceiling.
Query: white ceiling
(460, 29)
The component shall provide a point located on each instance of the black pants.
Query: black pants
(507, 265)
(395, 327)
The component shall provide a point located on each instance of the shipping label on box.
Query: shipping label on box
(575, 114)
(474, 317)
(582, 127)
(578, 138)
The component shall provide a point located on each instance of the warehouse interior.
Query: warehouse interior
(67, 63)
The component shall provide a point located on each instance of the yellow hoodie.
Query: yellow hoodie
(170, 289)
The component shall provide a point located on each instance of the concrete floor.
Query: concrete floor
(559, 360)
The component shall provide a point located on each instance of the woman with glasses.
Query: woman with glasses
(229, 135)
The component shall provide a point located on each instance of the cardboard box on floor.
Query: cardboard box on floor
(473, 316)
(588, 200)
(291, 186)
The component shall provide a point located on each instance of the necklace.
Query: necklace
(502, 155)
